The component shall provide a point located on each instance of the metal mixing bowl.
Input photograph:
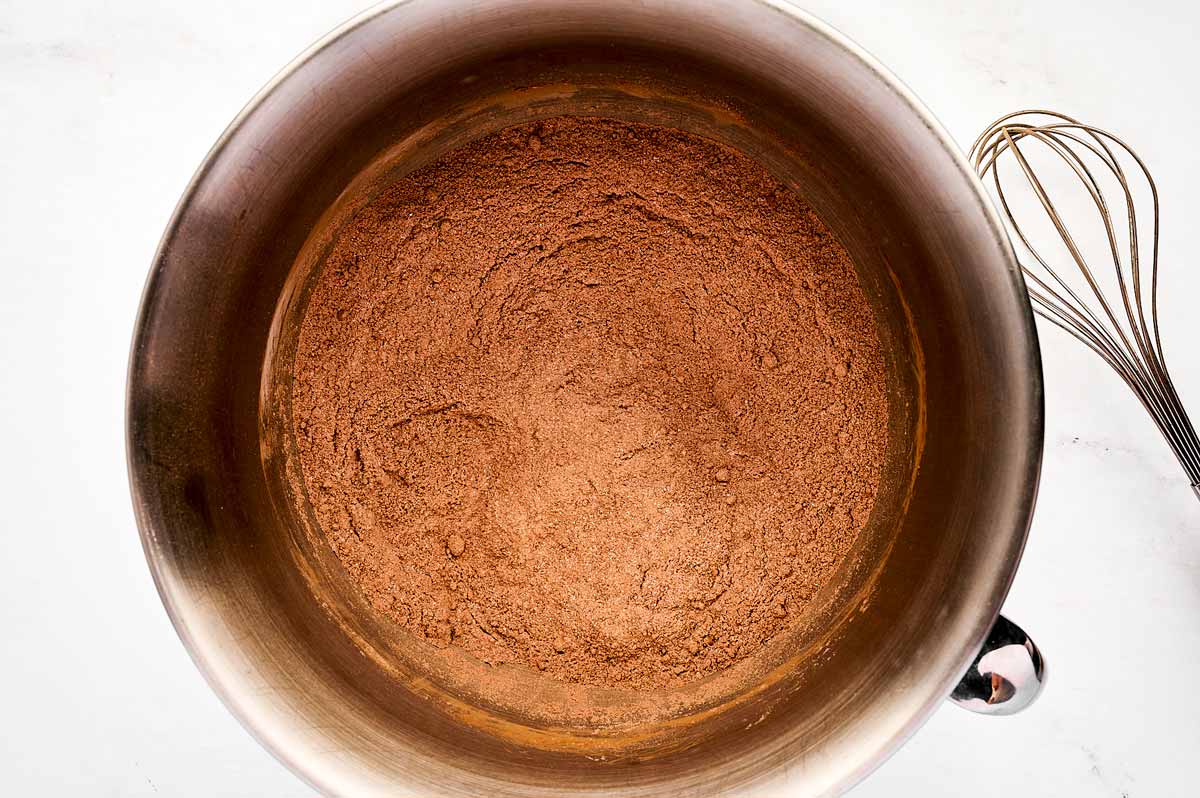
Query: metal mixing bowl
(254, 594)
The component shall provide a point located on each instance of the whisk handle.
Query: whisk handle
(1007, 674)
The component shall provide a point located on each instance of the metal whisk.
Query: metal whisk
(1126, 336)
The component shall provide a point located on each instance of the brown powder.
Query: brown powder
(600, 399)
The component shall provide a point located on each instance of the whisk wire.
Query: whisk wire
(1129, 340)
(1079, 310)
(1089, 181)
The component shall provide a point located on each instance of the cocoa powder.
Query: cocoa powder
(600, 399)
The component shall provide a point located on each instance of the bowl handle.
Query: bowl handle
(1007, 674)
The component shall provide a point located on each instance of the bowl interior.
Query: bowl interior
(553, 717)
(359, 707)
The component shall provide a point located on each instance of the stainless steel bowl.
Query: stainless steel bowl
(254, 595)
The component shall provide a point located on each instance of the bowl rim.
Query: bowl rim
(172, 591)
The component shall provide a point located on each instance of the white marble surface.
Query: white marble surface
(105, 110)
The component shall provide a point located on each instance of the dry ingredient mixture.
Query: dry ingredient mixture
(600, 399)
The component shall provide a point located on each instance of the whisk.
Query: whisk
(1125, 335)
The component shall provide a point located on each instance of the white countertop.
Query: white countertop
(109, 107)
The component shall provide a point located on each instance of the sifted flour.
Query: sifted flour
(597, 398)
